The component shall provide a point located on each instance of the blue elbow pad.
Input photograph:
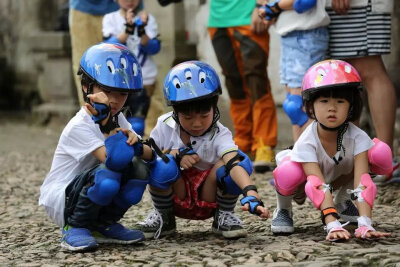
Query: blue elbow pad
(224, 179)
(119, 153)
(293, 107)
(301, 6)
(152, 47)
(112, 39)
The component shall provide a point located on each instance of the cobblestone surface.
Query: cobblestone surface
(29, 238)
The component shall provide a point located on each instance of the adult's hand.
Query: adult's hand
(258, 26)
(341, 6)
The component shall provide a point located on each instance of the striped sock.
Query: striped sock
(162, 202)
(226, 203)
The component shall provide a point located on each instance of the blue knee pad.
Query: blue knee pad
(293, 107)
(163, 174)
(119, 153)
(106, 186)
(224, 179)
(131, 193)
(301, 6)
(137, 124)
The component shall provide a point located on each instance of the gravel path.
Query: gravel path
(29, 238)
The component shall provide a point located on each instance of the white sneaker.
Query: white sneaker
(282, 222)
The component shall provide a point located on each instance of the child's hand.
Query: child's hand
(132, 137)
(262, 211)
(129, 16)
(100, 98)
(369, 234)
(338, 235)
(144, 17)
(188, 161)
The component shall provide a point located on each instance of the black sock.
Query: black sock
(226, 202)
(162, 202)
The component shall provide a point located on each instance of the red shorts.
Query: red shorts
(192, 207)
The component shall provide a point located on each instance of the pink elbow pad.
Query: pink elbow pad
(380, 157)
(315, 194)
(369, 193)
(288, 176)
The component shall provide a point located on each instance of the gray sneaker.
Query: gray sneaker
(282, 222)
(227, 224)
(348, 212)
(158, 223)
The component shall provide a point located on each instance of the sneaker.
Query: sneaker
(117, 234)
(265, 159)
(77, 239)
(158, 223)
(348, 212)
(282, 222)
(227, 224)
(379, 179)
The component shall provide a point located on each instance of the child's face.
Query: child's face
(116, 99)
(196, 123)
(331, 112)
(128, 4)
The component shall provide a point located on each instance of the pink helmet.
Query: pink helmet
(327, 74)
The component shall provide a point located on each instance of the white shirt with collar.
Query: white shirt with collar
(210, 147)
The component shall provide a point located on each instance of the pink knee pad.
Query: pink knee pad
(380, 157)
(288, 176)
(369, 193)
(315, 194)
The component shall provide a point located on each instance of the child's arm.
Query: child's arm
(312, 170)
(367, 191)
(341, 6)
(242, 179)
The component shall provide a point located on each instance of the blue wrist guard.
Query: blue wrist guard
(253, 204)
(269, 12)
(102, 112)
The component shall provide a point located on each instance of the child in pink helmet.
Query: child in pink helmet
(331, 156)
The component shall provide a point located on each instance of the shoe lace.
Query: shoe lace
(154, 219)
(228, 218)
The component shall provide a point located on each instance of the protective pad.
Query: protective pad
(224, 179)
(163, 174)
(119, 153)
(288, 176)
(138, 124)
(102, 112)
(106, 186)
(301, 6)
(380, 157)
(253, 204)
(369, 193)
(293, 107)
(316, 195)
(131, 193)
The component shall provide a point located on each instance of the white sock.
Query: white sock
(283, 202)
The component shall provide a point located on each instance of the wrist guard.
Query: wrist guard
(102, 112)
(253, 204)
(112, 123)
(129, 28)
(269, 12)
(329, 211)
(248, 188)
(183, 152)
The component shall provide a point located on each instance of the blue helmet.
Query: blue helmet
(190, 80)
(112, 66)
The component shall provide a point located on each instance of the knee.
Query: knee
(106, 186)
(288, 176)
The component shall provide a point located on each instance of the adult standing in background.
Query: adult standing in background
(360, 33)
(241, 43)
(85, 27)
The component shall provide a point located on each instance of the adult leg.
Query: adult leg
(381, 95)
(85, 31)
(228, 55)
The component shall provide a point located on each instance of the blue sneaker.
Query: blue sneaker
(117, 234)
(77, 239)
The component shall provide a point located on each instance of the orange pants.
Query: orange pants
(243, 56)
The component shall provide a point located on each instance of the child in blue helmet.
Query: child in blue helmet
(138, 30)
(213, 172)
(98, 170)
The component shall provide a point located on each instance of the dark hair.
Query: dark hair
(351, 94)
(198, 106)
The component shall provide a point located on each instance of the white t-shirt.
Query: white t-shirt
(210, 147)
(290, 20)
(73, 155)
(308, 148)
(114, 24)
